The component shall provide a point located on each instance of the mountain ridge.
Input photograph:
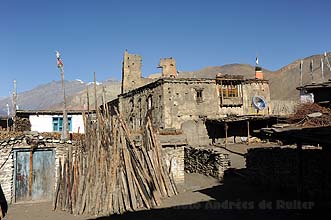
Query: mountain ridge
(283, 83)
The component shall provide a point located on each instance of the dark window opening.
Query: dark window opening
(149, 103)
(131, 105)
(199, 95)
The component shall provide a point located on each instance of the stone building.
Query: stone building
(319, 93)
(186, 103)
(197, 108)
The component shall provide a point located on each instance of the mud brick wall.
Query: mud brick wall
(278, 167)
(25, 141)
(206, 161)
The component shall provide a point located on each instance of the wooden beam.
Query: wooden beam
(299, 171)
(248, 134)
(31, 174)
(226, 133)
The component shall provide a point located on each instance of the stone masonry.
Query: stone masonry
(206, 161)
(168, 66)
(172, 100)
(23, 142)
(174, 157)
(131, 72)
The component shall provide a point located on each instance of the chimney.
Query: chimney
(258, 70)
(258, 73)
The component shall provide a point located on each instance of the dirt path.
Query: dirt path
(43, 211)
(39, 211)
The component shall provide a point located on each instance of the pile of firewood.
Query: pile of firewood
(107, 173)
(9, 134)
(57, 135)
(302, 115)
(23, 124)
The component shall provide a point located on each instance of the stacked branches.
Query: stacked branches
(107, 173)
(303, 118)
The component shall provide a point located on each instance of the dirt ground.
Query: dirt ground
(201, 198)
(43, 210)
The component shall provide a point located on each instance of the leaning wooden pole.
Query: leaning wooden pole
(109, 173)
(14, 106)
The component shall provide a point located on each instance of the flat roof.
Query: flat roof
(49, 112)
(292, 135)
(326, 84)
(181, 80)
(234, 118)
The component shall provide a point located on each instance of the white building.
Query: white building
(52, 121)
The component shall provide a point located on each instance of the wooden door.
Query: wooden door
(43, 175)
(38, 184)
(22, 176)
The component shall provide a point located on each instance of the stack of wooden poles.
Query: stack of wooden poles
(107, 173)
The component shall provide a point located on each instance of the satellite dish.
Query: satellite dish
(259, 102)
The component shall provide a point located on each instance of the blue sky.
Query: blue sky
(92, 35)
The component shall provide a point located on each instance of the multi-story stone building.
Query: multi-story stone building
(201, 110)
(186, 103)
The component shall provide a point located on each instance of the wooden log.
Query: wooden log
(128, 168)
(58, 185)
(125, 192)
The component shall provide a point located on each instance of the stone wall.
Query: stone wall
(135, 105)
(196, 132)
(174, 157)
(206, 161)
(253, 88)
(177, 100)
(7, 160)
(131, 72)
(172, 152)
(278, 167)
(181, 101)
(168, 66)
(6, 170)
(283, 107)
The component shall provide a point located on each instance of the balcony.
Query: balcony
(231, 101)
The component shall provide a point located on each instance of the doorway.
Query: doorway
(34, 175)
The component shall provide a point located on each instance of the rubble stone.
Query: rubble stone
(206, 161)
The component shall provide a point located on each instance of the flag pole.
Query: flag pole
(14, 105)
(64, 135)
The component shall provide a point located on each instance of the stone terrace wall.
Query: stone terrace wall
(206, 161)
(277, 167)
(7, 147)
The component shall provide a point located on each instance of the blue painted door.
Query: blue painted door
(22, 176)
(42, 184)
(43, 175)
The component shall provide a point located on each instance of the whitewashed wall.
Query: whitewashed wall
(77, 123)
(44, 123)
(41, 123)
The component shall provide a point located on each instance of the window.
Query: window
(58, 124)
(229, 91)
(131, 104)
(199, 95)
(140, 112)
(149, 103)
